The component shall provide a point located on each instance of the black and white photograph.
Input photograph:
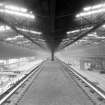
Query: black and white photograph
(52, 52)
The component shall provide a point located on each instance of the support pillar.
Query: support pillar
(52, 55)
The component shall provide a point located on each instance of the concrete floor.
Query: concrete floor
(53, 86)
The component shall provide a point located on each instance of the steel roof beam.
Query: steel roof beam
(85, 34)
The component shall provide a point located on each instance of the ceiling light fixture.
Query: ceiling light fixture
(93, 34)
(84, 14)
(99, 6)
(83, 29)
(19, 36)
(4, 28)
(9, 39)
(96, 36)
(103, 26)
(14, 8)
(17, 13)
(30, 31)
(14, 38)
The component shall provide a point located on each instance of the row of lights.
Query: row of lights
(92, 10)
(79, 30)
(94, 34)
(87, 11)
(4, 28)
(14, 38)
(15, 10)
(30, 31)
(7, 28)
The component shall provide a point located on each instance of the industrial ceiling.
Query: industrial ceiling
(52, 24)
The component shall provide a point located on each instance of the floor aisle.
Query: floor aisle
(52, 87)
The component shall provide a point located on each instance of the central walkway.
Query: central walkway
(54, 86)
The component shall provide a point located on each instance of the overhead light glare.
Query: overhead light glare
(14, 38)
(96, 36)
(103, 26)
(4, 28)
(19, 36)
(99, 6)
(30, 31)
(14, 8)
(26, 15)
(71, 32)
(83, 29)
(84, 14)
(9, 39)
(102, 37)
(82, 40)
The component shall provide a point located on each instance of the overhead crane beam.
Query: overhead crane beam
(51, 41)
